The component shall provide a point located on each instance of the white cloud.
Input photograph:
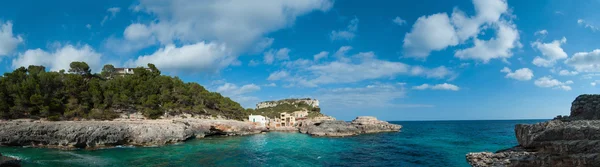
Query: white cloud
(60, 58)
(237, 23)
(136, 36)
(429, 33)
(199, 57)
(523, 74)
(507, 38)
(438, 72)
(136, 32)
(549, 82)
(113, 13)
(8, 41)
(437, 32)
(364, 69)
(354, 68)
(274, 54)
(551, 51)
(541, 32)
(271, 85)
(298, 63)
(586, 24)
(590, 76)
(567, 73)
(399, 21)
(283, 54)
(232, 89)
(444, 86)
(262, 44)
(348, 33)
(253, 63)
(279, 75)
(239, 93)
(370, 96)
(320, 55)
(340, 54)
(585, 61)
(88, 26)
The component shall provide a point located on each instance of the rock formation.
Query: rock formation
(9, 161)
(564, 141)
(98, 134)
(360, 125)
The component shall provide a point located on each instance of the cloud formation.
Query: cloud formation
(348, 34)
(523, 74)
(60, 58)
(439, 31)
(549, 82)
(8, 41)
(444, 86)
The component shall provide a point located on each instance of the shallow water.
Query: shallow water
(421, 143)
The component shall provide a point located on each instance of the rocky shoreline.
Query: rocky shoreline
(105, 134)
(360, 125)
(101, 134)
(564, 141)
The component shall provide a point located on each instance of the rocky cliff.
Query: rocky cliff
(98, 134)
(565, 141)
(360, 125)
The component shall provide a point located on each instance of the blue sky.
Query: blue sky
(397, 60)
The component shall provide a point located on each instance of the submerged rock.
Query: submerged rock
(574, 141)
(9, 161)
(98, 134)
(360, 125)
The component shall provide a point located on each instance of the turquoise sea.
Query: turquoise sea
(421, 143)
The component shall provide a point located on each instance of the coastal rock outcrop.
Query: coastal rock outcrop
(360, 125)
(98, 134)
(564, 141)
(9, 161)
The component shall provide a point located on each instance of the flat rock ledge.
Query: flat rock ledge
(101, 134)
(360, 125)
(9, 161)
(566, 141)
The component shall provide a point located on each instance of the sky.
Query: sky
(396, 60)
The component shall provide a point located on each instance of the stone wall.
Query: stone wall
(266, 104)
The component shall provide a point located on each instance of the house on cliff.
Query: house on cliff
(124, 71)
(259, 120)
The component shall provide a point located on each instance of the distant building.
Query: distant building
(287, 119)
(124, 71)
(258, 120)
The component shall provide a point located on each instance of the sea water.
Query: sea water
(420, 143)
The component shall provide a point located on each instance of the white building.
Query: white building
(258, 120)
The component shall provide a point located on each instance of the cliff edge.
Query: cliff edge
(564, 141)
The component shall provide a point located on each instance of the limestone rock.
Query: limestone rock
(98, 134)
(586, 107)
(566, 142)
(358, 126)
(9, 161)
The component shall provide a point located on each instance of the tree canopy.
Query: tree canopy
(33, 92)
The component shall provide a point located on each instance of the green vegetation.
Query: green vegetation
(274, 112)
(33, 92)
